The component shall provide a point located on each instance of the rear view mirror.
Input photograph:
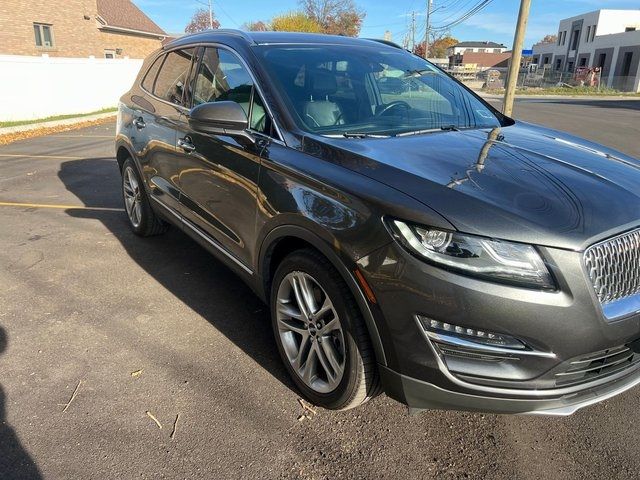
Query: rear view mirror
(219, 118)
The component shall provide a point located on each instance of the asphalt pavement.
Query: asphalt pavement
(125, 358)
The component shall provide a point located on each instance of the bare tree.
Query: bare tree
(200, 22)
(549, 39)
(257, 26)
(338, 17)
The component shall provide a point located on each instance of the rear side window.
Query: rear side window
(173, 75)
(150, 77)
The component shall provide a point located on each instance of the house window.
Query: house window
(630, 29)
(588, 33)
(558, 63)
(583, 62)
(109, 54)
(575, 39)
(602, 59)
(43, 35)
(564, 37)
(593, 32)
(626, 64)
(482, 50)
(496, 50)
(559, 37)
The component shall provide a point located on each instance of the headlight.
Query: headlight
(497, 260)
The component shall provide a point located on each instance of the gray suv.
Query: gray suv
(407, 237)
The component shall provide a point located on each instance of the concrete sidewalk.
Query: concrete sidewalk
(56, 123)
(495, 96)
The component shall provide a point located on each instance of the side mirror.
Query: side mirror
(219, 118)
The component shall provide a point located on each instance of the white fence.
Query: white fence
(38, 87)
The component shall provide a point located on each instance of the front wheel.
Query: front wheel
(320, 333)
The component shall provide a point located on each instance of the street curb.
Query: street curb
(55, 123)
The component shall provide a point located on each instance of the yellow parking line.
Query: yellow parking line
(22, 155)
(61, 207)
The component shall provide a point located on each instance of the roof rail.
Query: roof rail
(385, 42)
(220, 31)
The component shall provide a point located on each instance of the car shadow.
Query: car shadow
(15, 462)
(210, 289)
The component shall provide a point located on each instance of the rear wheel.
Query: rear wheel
(320, 333)
(142, 220)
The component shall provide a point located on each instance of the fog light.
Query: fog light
(437, 330)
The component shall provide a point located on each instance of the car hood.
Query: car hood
(522, 182)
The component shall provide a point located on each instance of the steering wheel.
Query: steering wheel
(395, 104)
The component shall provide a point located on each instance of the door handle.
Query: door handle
(139, 123)
(186, 145)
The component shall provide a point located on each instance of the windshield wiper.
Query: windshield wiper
(364, 135)
(444, 128)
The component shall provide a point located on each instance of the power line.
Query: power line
(457, 11)
(227, 15)
(474, 10)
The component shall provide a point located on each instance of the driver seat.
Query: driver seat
(319, 111)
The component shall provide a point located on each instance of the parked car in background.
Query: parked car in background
(411, 240)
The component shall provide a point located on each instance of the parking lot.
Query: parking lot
(123, 357)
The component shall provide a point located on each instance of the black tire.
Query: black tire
(360, 380)
(148, 224)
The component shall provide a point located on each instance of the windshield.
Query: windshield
(369, 90)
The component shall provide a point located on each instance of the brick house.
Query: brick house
(77, 28)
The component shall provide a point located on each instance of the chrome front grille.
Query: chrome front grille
(614, 267)
(597, 365)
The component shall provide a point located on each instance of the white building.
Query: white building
(476, 47)
(609, 39)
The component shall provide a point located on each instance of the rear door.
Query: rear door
(159, 122)
(219, 175)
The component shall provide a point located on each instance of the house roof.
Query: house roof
(123, 14)
(480, 45)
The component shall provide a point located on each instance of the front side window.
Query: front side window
(43, 35)
(172, 78)
(370, 90)
(221, 76)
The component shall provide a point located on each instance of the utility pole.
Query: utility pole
(210, 16)
(516, 57)
(426, 35)
(413, 31)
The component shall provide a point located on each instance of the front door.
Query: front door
(219, 174)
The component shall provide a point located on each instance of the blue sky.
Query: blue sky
(495, 23)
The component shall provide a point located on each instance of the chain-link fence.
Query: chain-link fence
(483, 78)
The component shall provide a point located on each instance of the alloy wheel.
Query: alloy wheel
(310, 332)
(132, 200)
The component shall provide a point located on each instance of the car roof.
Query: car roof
(264, 38)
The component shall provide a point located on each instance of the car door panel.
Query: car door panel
(219, 178)
(160, 159)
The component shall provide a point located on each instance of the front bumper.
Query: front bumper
(568, 325)
(422, 395)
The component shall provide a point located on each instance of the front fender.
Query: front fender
(345, 267)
